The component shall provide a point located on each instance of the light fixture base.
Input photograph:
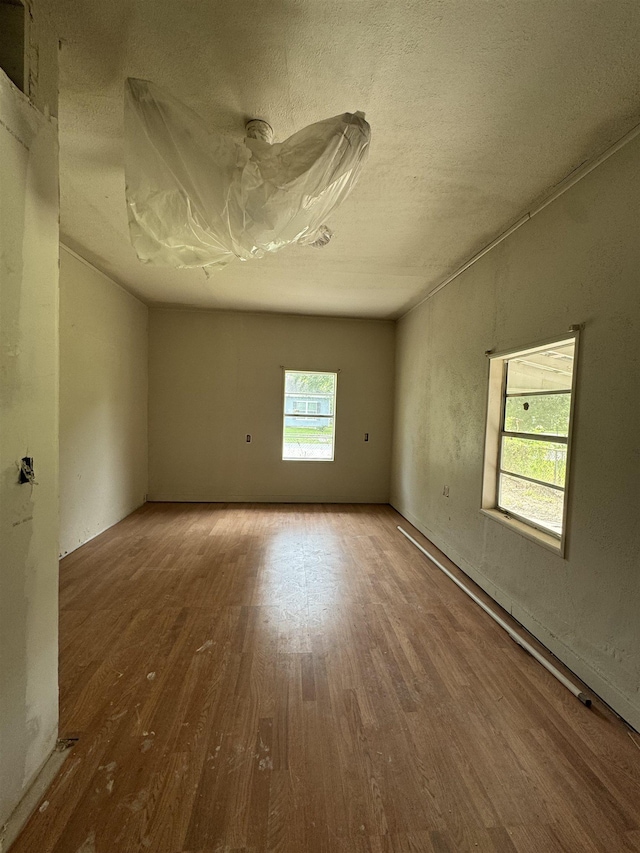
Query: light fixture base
(256, 128)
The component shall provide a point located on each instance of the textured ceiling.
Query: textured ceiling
(477, 108)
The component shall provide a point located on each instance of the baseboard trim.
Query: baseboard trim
(277, 499)
(66, 553)
(27, 805)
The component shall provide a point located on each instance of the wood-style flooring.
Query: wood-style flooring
(301, 679)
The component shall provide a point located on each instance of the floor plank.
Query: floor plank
(298, 678)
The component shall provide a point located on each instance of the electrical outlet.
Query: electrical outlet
(445, 491)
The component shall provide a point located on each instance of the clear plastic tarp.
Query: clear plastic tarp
(196, 198)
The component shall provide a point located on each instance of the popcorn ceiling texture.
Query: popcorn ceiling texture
(477, 109)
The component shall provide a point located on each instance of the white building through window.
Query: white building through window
(309, 416)
(528, 438)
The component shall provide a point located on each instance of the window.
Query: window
(305, 407)
(309, 415)
(528, 438)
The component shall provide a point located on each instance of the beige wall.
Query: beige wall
(214, 377)
(28, 427)
(578, 261)
(103, 402)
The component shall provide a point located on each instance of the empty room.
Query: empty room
(319, 418)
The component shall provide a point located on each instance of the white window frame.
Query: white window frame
(496, 402)
(307, 416)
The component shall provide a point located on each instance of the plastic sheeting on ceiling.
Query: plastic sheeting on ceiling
(196, 198)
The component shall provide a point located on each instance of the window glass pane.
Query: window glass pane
(544, 414)
(296, 380)
(539, 504)
(542, 460)
(309, 393)
(308, 438)
(546, 370)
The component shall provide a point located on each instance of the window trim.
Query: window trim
(494, 423)
(285, 414)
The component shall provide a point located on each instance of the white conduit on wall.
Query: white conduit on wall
(513, 634)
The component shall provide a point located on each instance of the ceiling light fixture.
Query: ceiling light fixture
(196, 198)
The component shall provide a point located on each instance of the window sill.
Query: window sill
(532, 533)
(302, 459)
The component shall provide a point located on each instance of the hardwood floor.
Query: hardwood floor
(300, 678)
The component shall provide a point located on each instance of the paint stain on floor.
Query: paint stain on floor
(89, 845)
